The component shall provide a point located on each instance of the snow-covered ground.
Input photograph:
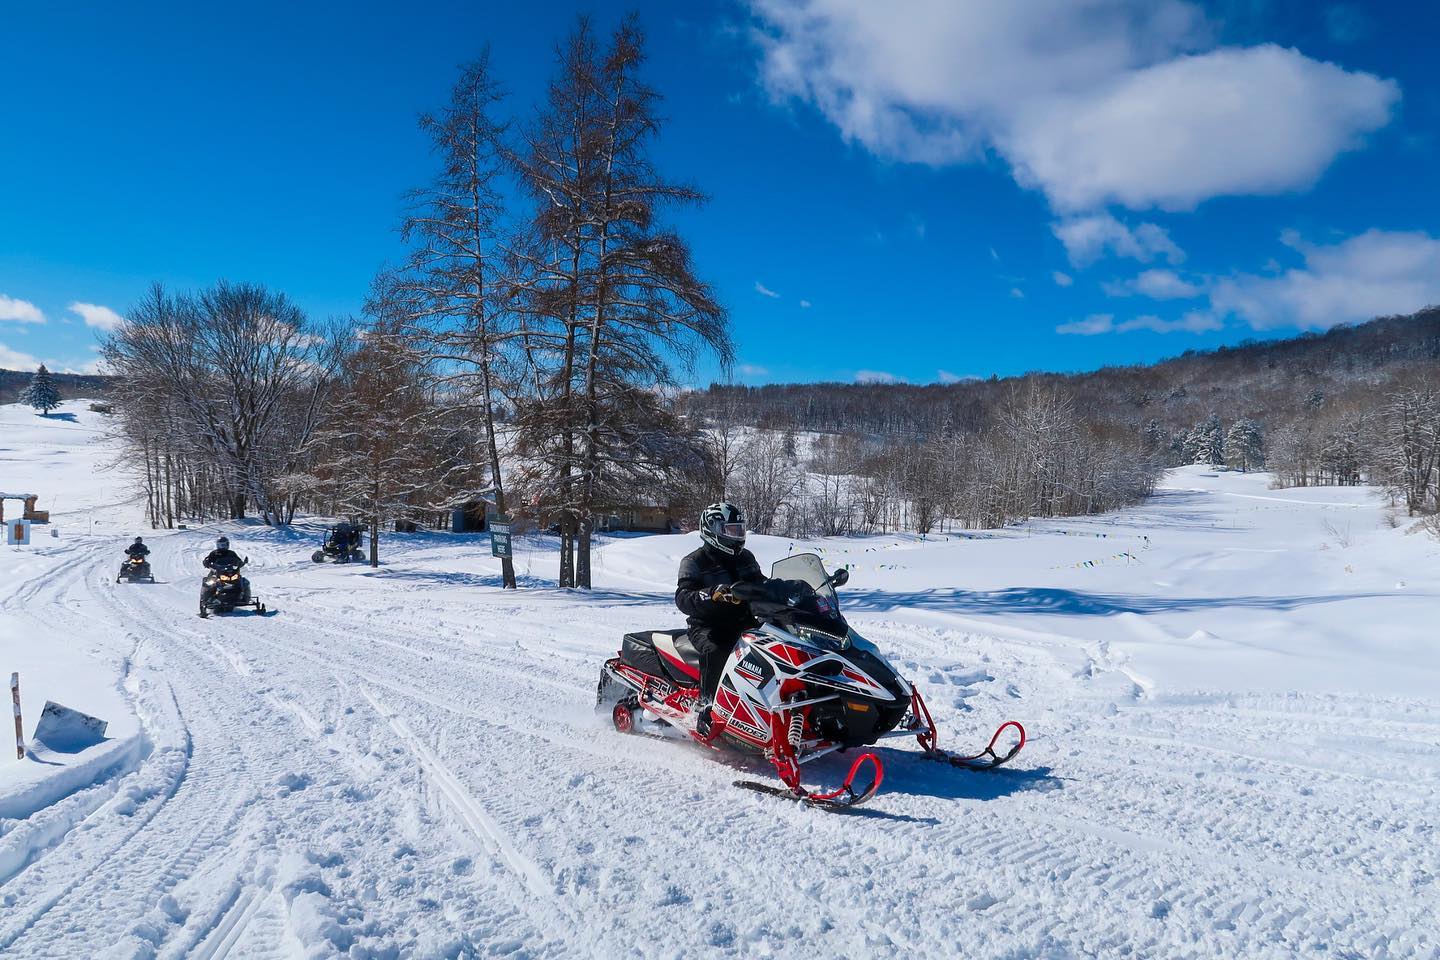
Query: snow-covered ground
(1233, 695)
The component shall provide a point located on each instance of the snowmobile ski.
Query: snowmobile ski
(841, 798)
(987, 759)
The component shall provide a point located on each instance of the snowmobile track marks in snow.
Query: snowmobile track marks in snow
(471, 812)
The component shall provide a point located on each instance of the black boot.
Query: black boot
(702, 719)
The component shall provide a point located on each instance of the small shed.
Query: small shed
(639, 518)
(472, 516)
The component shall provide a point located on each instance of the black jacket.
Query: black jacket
(704, 570)
(222, 558)
(137, 550)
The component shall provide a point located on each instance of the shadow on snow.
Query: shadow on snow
(1052, 600)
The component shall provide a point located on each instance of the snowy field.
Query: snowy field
(1233, 696)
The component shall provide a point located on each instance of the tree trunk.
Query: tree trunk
(374, 540)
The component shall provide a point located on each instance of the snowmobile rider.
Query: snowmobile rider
(703, 595)
(137, 550)
(222, 555)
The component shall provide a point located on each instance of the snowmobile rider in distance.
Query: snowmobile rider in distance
(137, 550)
(704, 595)
(222, 555)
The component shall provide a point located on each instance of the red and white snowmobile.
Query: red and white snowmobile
(799, 685)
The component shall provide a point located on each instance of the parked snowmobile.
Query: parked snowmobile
(224, 590)
(342, 544)
(135, 568)
(799, 685)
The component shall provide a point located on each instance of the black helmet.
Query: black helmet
(722, 526)
(223, 543)
(138, 540)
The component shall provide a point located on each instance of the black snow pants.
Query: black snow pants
(714, 644)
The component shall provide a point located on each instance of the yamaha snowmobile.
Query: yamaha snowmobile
(342, 545)
(135, 568)
(224, 589)
(800, 684)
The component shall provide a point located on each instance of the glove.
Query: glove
(722, 594)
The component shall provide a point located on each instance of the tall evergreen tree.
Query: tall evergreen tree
(42, 394)
(1206, 443)
(1243, 445)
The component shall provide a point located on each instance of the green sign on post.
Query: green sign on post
(500, 537)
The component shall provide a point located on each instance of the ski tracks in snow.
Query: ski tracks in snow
(401, 769)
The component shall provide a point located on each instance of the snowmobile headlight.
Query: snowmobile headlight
(821, 638)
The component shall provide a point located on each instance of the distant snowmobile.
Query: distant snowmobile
(224, 589)
(135, 568)
(342, 544)
(799, 685)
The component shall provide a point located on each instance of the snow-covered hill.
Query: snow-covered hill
(1232, 695)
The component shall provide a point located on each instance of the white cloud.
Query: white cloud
(1157, 285)
(1258, 120)
(15, 360)
(1062, 279)
(1017, 293)
(804, 304)
(945, 376)
(1088, 238)
(19, 311)
(1091, 325)
(1377, 273)
(94, 315)
(1196, 321)
(765, 291)
(876, 376)
(1090, 101)
(751, 370)
(89, 368)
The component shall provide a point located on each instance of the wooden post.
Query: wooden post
(19, 725)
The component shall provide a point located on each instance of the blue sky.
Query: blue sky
(910, 190)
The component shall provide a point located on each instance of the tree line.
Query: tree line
(1356, 404)
(527, 341)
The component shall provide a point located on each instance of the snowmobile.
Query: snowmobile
(135, 568)
(799, 685)
(341, 545)
(224, 590)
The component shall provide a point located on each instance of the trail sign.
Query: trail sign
(500, 537)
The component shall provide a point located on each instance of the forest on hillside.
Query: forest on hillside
(1353, 404)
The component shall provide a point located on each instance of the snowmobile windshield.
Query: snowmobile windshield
(806, 567)
(798, 607)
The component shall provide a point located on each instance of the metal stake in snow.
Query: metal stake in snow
(19, 726)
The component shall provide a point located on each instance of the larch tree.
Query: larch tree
(380, 448)
(451, 299)
(619, 287)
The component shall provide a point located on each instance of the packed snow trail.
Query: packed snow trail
(405, 762)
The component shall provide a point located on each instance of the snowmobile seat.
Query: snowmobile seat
(656, 652)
